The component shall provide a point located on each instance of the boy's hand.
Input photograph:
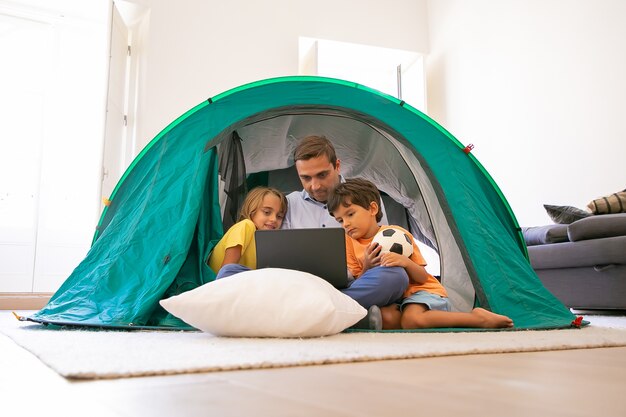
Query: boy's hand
(372, 256)
(417, 273)
(394, 259)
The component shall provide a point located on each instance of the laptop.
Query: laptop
(318, 251)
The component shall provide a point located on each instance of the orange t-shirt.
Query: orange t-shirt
(355, 253)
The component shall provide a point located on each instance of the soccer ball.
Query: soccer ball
(394, 240)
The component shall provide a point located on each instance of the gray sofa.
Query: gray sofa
(583, 263)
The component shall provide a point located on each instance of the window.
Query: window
(391, 71)
(52, 116)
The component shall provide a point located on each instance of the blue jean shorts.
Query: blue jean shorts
(430, 300)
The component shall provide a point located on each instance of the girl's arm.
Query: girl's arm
(417, 273)
(232, 255)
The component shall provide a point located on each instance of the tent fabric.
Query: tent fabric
(232, 169)
(166, 212)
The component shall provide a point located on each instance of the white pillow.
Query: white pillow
(268, 302)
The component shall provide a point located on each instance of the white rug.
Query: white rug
(90, 354)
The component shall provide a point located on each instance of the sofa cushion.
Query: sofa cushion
(597, 227)
(610, 250)
(540, 235)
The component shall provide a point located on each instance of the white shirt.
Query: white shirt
(305, 212)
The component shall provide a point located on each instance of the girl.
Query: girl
(263, 209)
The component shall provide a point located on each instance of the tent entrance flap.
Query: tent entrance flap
(367, 148)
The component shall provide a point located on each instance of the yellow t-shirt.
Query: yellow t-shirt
(355, 253)
(241, 233)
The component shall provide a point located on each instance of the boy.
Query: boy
(355, 205)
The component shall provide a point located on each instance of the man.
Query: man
(319, 172)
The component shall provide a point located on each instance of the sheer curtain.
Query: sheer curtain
(51, 131)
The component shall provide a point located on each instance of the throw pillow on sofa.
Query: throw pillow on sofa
(541, 235)
(565, 214)
(614, 203)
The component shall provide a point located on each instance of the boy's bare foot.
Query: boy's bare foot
(492, 320)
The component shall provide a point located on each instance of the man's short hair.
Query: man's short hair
(313, 147)
(357, 191)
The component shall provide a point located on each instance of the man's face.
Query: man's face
(318, 176)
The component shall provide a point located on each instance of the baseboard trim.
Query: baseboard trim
(23, 301)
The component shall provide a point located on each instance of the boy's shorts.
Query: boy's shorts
(432, 301)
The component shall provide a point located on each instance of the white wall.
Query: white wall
(539, 87)
(194, 49)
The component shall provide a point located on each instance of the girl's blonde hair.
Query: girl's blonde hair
(254, 199)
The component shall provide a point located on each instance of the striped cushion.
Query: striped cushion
(614, 203)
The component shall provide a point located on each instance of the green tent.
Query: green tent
(173, 202)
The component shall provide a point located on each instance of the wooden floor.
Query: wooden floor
(589, 382)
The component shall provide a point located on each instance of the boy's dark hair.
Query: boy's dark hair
(314, 146)
(357, 191)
